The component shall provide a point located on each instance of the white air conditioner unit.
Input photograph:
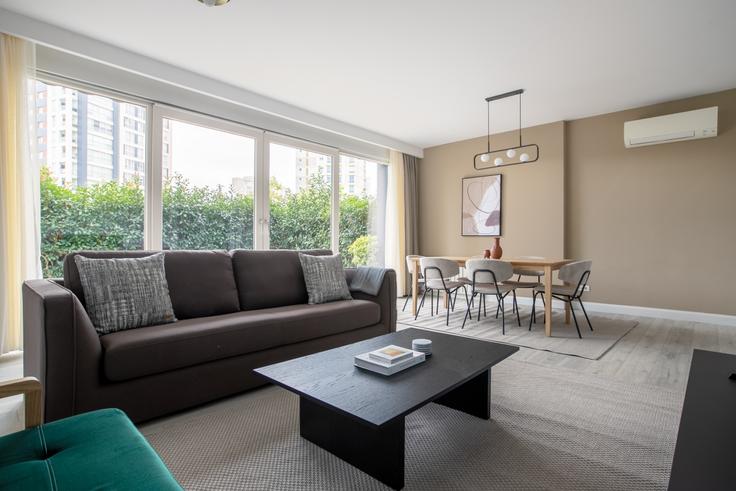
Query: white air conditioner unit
(690, 125)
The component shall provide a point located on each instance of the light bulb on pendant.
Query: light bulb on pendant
(486, 157)
(524, 157)
(498, 161)
(511, 153)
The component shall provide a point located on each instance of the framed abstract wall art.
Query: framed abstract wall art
(481, 206)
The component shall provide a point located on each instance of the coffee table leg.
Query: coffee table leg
(377, 451)
(473, 397)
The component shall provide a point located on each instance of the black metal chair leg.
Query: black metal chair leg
(586, 313)
(468, 303)
(480, 303)
(503, 316)
(498, 309)
(575, 319)
(518, 319)
(485, 304)
(406, 303)
(447, 319)
(420, 305)
(534, 309)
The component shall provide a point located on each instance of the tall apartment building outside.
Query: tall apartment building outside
(357, 176)
(88, 139)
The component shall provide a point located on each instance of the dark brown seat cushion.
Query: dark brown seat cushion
(156, 349)
(270, 278)
(201, 283)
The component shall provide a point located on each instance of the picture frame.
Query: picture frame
(481, 213)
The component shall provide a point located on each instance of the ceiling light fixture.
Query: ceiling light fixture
(527, 153)
(214, 3)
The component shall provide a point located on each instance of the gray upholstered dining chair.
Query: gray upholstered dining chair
(576, 274)
(487, 277)
(420, 280)
(438, 273)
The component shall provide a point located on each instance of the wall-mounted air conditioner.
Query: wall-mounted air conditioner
(690, 125)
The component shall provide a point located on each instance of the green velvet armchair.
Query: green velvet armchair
(95, 450)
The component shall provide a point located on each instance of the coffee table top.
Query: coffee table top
(329, 378)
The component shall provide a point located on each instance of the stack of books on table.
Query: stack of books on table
(388, 360)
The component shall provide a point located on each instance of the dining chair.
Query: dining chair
(538, 273)
(420, 280)
(487, 277)
(576, 273)
(438, 273)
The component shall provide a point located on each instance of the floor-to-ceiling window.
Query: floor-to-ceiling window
(120, 173)
(91, 149)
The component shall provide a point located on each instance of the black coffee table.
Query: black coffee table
(359, 415)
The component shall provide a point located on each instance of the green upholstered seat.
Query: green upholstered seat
(97, 450)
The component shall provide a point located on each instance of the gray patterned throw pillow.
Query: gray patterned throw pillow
(125, 293)
(324, 278)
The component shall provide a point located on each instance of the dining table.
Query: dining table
(548, 265)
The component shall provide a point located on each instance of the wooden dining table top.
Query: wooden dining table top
(554, 263)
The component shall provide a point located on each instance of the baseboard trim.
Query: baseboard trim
(634, 310)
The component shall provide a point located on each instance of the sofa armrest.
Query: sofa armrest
(386, 297)
(59, 343)
(30, 387)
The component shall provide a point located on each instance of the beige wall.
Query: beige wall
(659, 222)
(532, 197)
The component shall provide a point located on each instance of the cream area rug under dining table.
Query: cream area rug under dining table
(607, 330)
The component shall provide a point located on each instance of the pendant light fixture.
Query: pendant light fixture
(520, 154)
(214, 3)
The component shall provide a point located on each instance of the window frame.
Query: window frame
(153, 228)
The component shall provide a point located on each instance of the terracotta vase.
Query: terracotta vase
(496, 251)
(487, 254)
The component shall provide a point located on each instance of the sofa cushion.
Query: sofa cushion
(324, 278)
(96, 450)
(125, 293)
(201, 283)
(270, 278)
(156, 349)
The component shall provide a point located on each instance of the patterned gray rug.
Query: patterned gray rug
(564, 340)
(551, 429)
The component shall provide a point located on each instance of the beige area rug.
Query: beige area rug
(607, 331)
(551, 428)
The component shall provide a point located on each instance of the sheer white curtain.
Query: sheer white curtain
(19, 187)
(395, 221)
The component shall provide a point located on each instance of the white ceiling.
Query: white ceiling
(418, 70)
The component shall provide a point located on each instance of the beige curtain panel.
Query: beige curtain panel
(395, 227)
(19, 187)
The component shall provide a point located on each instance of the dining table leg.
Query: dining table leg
(414, 286)
(548, 300)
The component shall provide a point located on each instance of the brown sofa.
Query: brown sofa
(236, 311)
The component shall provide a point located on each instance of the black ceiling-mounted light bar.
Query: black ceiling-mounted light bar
(520, 154)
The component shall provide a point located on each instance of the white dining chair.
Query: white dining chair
(576, 274)
(487, 278)
(438, 273)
